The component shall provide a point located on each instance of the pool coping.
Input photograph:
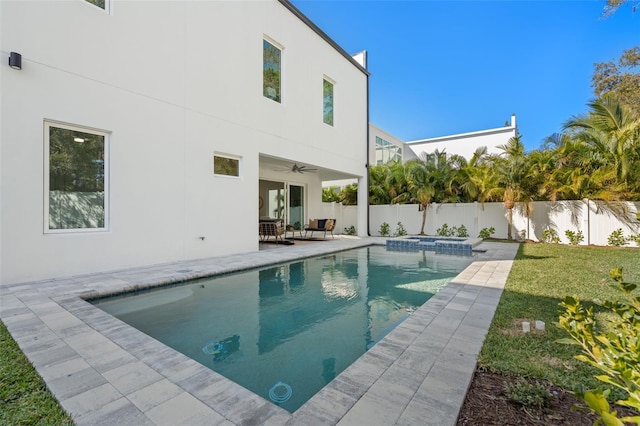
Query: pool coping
(104, 371)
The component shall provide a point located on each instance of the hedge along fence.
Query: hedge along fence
(593, 219)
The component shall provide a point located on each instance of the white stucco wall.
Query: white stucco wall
(465, 144)
(172, 82)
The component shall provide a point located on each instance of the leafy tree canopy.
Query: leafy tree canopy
(613, 5)
(621, 79)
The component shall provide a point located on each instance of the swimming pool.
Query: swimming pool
(286, 331)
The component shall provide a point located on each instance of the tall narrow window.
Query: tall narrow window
(226, 166)
(76, 178)
(271, 71)
(327, 102)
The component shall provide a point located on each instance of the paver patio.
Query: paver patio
(105, 372)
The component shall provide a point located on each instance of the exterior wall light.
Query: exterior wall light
(15, 60)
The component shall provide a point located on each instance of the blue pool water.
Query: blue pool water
(286, 331)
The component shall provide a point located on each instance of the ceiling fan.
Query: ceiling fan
(301, 169)
(295, 168)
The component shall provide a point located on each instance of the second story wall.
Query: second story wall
(169, 86)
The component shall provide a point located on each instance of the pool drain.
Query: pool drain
(280, 392)
(212, 348)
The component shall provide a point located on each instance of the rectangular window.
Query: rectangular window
(386, 151)
(226, 166)
(327, 102)
(271, 71)
(76, 178)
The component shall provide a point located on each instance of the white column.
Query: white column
(363, 196)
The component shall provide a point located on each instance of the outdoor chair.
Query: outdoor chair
(270, 229)
(320, 225)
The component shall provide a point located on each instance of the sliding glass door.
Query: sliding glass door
(296, 206)
(282, 200)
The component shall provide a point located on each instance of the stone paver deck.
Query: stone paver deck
(105, 372)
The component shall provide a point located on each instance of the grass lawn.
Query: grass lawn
(24, 398)
(541, 276)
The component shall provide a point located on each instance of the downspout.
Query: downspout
(367, 163)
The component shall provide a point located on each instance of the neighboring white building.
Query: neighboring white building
(384, 147)
(465, 144)
(139, 133)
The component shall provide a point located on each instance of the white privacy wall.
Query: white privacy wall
(172, 83)
(594, 220)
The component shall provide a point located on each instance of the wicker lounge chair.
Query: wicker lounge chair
(320, 225)
(270, 229)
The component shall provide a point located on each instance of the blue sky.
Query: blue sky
(445, 67)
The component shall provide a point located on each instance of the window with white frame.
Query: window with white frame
(226, 165)
(271, 71)
(327, 102)
(386, 151)
(76, 178)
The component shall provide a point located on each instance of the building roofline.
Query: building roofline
(381, 130)
(322, 34)
(466, 135)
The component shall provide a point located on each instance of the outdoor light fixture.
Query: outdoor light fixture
(15, 60)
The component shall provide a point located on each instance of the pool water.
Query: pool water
(286, 331)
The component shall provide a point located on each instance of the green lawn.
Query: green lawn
(542, 275)
(24, 398)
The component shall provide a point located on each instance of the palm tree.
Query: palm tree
(472, 176)
(420, 184)
(510, 171)
(379, 191)
(349, 195)
(612, 132)
(598, 156)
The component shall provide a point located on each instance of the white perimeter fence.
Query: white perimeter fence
(594, 219)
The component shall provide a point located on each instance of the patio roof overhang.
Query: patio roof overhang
(286, 166)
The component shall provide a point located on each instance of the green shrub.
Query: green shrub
(350, 230)
(634, 239)
(400, 231)
(384, 229)
(613, 348)
(575, 238)
(549, 235)
(527, 394)
(616, 238)
(444, 231)
(458, 231)
(461, 231)
(487, 232)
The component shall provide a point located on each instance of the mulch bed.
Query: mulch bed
(487, 404)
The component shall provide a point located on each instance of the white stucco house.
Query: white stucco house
(465, 144)
(125, 145)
